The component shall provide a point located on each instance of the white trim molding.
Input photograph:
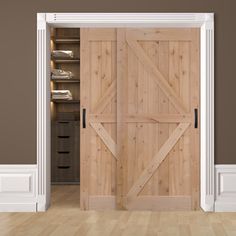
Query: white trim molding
(18, 188)
(204, 21)
(207, 115)
(128, 19)
(43, 112)
(225, 194)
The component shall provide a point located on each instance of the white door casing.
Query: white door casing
(204, 21)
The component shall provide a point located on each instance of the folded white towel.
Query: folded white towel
(55, 77)
(62, 54)
(61, 97)
(61, 91)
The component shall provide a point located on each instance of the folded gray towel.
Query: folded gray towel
(61, 74)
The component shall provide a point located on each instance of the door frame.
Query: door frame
(204, 21)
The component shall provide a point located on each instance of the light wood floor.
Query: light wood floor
(65, 218)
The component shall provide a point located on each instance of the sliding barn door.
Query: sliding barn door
(157, 111)
(139, 119)
(98, 118)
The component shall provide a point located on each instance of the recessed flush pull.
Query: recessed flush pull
(195, 118)
(63, 167)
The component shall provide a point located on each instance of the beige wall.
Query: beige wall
(18, 67)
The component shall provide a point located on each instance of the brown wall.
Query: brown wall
(18, 67)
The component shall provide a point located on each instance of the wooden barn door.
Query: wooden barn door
(139, 126)
(157, 111)
(98, 118)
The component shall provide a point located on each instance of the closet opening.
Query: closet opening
(65, 115)
(119, 63)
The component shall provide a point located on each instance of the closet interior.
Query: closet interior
(65, 105)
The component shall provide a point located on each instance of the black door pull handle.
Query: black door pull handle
(84, 118)
(195, 118)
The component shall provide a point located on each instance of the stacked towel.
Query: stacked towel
(61, 94)
(61, 74)
(62, 54)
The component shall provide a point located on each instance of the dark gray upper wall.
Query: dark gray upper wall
(18, 67)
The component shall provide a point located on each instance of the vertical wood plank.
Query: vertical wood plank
(153, 92)
(141, 130)
(95, 94)
(174, 83)
(184, 142)
(163, 134)
(121, 111)
(106, 80)
(150, 94)
(132, 103)
(113, 111)
(85, 133)
(194, 81)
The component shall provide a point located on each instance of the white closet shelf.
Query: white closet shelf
(66, 40)
(76, 60)
(65, 80)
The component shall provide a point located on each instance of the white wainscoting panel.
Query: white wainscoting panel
(11, 183)
(225, 199)
(18, 188)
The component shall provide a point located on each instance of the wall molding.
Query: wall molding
(204, 21)
(18, 188)
(225, 194)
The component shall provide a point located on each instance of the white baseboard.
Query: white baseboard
(18, 188)
(42, 205)
(225, 199)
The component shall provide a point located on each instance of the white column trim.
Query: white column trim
(43, 112)
(207, 116)
(205, 21)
